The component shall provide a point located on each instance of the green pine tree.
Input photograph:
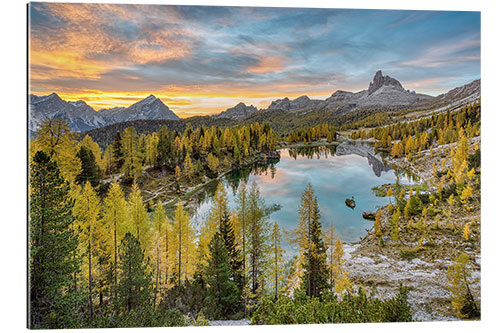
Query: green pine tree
(315, 277)
(90, 170)
(236, 263)
(222, 292)
(52, 247)
(134, 289)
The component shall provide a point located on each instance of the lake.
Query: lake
(335, 174)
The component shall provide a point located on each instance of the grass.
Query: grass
(379, 192)
(409, 254)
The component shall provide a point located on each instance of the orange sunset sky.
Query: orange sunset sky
(203, 60)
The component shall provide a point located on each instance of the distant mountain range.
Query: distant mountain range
(382, 92)
(81, 117)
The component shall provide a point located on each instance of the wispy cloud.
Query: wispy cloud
(206, 59)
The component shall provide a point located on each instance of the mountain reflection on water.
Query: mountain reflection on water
(336, 173)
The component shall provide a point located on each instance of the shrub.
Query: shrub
(356, 308)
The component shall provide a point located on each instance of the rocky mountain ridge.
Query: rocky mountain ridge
(383, 91)
(82, 117)
(239, 111)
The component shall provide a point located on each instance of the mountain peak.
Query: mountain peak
(379, 80)
(239, 111)
(150, 99)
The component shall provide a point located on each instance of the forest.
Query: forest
(103, 256)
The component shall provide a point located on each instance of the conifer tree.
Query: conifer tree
(277, 258)
(89, 169)
(330, 239)
(117, 152)
(115, 217)
(135, 280)
(378, 223)
(395, 224)
(258, 234)
(341, 279)
(183, 244)
(213, 163)
(188, 168)
(241, 214)
(312, 248)
(52, 247)
(222, 293)
(56, 139)
(226, 229)
(86, 211)
(459, 285)
(132, 155)
(94, 148)
(140, 225)
(214, 221)
(160, 228)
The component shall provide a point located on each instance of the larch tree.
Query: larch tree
(213, 222)
(132, 156)
(241, 227)
(140, 225)
(56, 139)
(159, 225)
(52, 247)
(277, 258)
(118, 152)
(213, 163)
(340, 276)
(378, 223)
(188, 168)
(115, 218)
(107, 160)
(330, 240)
(183, 244)
(459, 284)
(258, 237)
(86, 212)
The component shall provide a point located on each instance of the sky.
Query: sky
(202, 60)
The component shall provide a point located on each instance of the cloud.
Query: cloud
(206, 59)
(446, 54)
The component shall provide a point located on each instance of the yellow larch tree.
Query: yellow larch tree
(340, 276)
(188, 168)
(160, 250)
(459, 276)
(211, 225)
(183, 244)
(378, 223)
(277, 264)
(132, 160)
(330, 237)
(115, 218)
(86, 212)
(140, 225)
(56, 139)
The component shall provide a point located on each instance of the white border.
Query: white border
(13, 161)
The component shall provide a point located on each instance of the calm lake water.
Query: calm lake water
(334, 178)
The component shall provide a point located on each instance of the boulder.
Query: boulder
(369, 216)
(350, 203)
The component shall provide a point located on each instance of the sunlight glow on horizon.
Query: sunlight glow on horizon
(202, 60)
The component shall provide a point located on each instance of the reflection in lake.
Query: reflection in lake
(334, 178)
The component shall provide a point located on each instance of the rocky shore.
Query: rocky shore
(380, 264)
